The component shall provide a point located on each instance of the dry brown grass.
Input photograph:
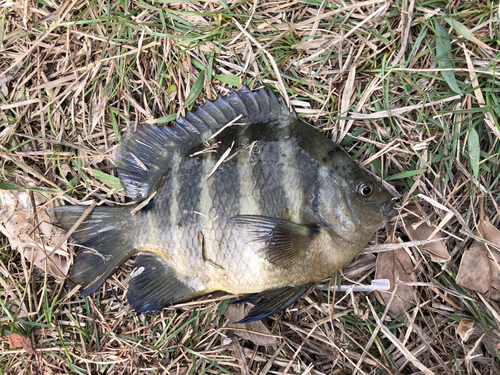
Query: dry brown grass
(74, 75)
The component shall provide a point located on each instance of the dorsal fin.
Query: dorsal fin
(145, 154)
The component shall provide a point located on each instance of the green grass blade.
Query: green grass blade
(229, 79)
(195, 90)
(474, 151)
(108, 180)
(444, 57)
(465, 32)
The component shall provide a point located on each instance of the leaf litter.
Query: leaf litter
(20, 342)
(480, 266)
(24, 220)
(419, 230)
(397, 267)
(465, 329)
(255, 332)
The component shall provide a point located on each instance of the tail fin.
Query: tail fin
(106, 240)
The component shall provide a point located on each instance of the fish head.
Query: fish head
(353, 204)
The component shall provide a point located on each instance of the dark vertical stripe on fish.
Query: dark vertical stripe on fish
(308, 183)
(270, 176)
(225, 186)
(246, 195)
(308, 186)
(189, 193)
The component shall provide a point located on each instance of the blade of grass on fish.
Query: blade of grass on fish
(465, 32)
(195, 90)
(106, 179)
(444, 57)
(474, 151)
(162, 120)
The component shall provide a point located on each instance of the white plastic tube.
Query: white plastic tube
(377, 284)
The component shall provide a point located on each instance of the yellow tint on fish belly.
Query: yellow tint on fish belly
(251, 273)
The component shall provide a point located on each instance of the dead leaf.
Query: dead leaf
(18, 341)
(237, 312)
(465, 328)
(437, 250)
(194, 20)
(473, 268)
(396, 266)
(480, 268)
(421, 232)
(25, 222)
(489, 232)
(66, 169)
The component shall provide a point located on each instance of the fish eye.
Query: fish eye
(365, 189)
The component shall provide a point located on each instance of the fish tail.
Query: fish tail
(105, 241)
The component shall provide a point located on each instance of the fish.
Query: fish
(239, 196)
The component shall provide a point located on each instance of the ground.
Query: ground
(408, 88)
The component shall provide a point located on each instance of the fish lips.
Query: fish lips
(388, 208)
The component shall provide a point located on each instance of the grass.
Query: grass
(410, 90)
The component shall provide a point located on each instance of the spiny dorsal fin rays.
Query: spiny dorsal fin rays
(154, 146)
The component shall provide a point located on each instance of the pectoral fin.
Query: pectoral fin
(273, 301)
(281, 242)
(154, 285)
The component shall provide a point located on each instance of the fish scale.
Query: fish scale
(285, 209)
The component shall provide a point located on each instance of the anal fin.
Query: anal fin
(155, 285)
(273, 301)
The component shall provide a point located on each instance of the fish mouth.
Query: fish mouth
(388, 208)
